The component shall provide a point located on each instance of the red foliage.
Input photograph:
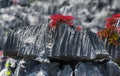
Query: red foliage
(78, 28)
(116, 15)
(111, 21)
(53, 24)
(110, 27)
(68, 18)
(111, 31)
(70, 23)
(58, 18)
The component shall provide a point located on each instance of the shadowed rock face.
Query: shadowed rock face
(83, 44)
(32, 68)
(26, 42)
(89, 69)
(114, 52)
(63, 43)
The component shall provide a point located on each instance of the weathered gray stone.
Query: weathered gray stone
(83, 44)
(88, 69)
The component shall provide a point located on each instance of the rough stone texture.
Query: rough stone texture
(33, 68)
(83, 44)
(114, 52)
(27, 42)
(63, 43)
(89, 69)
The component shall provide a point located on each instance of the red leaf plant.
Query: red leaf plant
(78, 28)
(58, 18)
(111, 32)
